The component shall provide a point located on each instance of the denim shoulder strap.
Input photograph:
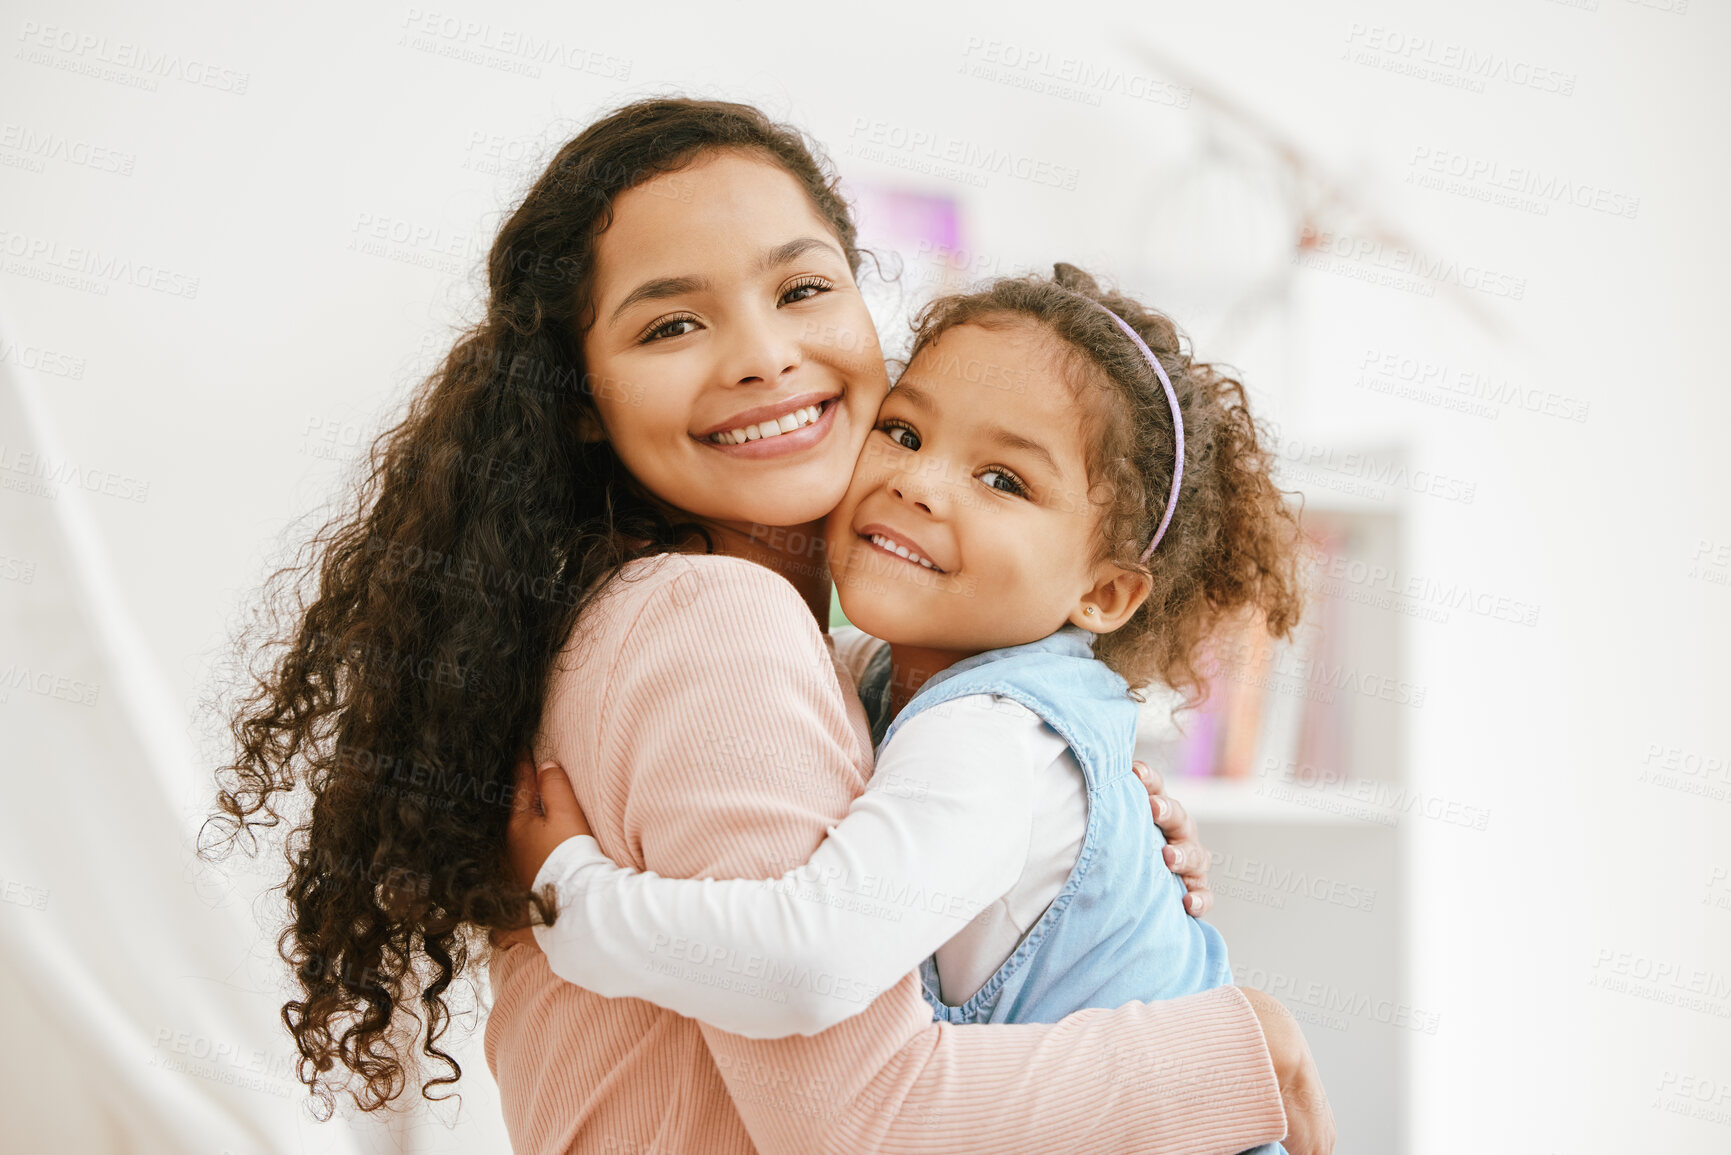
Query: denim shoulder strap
(1061, 681)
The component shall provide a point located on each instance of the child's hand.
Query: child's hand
(1185, 855)
(544, 814)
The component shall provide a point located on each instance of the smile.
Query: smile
(900, 550)
(773, 427)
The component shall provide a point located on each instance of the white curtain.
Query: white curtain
(140, 988)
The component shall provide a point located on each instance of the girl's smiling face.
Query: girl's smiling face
(733, 363)
(968, 525)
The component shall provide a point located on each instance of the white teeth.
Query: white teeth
(798, 419)
(900, 550)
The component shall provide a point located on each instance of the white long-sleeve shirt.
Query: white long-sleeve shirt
(970, 825)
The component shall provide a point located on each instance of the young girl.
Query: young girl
(1047, 514)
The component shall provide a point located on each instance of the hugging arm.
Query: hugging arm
(918, 855)
(1189, 1075)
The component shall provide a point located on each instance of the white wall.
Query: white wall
(219, 402)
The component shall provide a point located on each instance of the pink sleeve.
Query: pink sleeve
(730, 735)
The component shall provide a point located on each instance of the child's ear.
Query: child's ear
(1117, 594)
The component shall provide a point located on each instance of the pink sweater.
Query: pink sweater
(709, 731)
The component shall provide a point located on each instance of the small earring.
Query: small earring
(1089, 610)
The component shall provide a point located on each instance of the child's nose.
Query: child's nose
(918, 490)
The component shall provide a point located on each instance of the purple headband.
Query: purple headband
(1177, 422)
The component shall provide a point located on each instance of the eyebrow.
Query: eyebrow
(997, 433)
(793, 250)
(661, 288)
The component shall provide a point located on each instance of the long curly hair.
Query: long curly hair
(1233, 548)
(399, 672)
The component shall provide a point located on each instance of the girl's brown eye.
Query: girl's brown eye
(1004, 482)
(902, 436)
(670, 328)
(804, 290)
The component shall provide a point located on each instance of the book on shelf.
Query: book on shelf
(1264, 711)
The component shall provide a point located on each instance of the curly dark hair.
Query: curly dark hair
(1233, 547)
(399, 672)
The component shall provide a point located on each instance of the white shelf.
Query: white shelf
(1270, 801)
